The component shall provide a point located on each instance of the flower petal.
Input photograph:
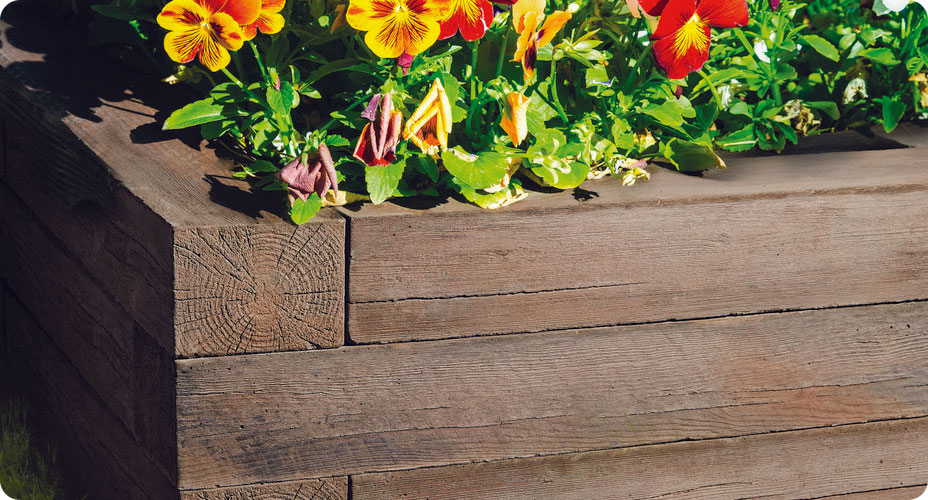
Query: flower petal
(268, 22)
(530, 22)
(652, 7)
(514, 120)
(523, 7)
(675, 15)
(552, 25)
(181, 15)
(182, 46)
(678, 61)
(213, 55)
(226, 31)
(366, 15)
(723, 13)
(471, 17)
(243, 11)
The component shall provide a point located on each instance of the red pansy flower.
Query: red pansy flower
(470, 17)
(684, 31)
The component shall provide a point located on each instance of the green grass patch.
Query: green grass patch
(27, 471)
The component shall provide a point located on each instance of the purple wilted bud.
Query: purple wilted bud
(405, 61)
(378, 139)
(310, 173)
(774, 4)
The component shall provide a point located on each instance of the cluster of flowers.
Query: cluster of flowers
(606, 126)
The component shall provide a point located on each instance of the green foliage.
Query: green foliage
(26, 471)
(596, 100)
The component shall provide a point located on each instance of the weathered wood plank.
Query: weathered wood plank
(95, 452)
(330, 488)
(771, 234)
(909, 493)
(123, 364)
(792, 465)
(284, 416)
(135, 204)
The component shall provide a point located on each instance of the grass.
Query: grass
(27, 471)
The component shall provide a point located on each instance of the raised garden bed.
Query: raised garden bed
(759, 331)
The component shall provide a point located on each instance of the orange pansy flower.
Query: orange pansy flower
(527, 15)
(397, 26)
(207, 29)
(514, 121)
(269, 19)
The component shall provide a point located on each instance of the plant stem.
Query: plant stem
(553, 87)
(715, 92)
(502, 55)
(254, 49)
(626, 87)
(474, 48)
(333, 121)
(232, 78)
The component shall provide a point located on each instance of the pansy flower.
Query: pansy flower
(430, 123)
(514, 120)
(397, 26)
(379, 137)
(684, 31)
(533, 34)
(470, 17)
(269, 20)
(206, 29)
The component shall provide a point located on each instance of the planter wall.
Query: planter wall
(760, 331)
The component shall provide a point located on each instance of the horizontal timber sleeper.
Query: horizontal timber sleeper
(284, 416)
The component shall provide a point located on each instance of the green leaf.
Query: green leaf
(822, 46)
(302, 211)
(383, 180)
(480, 172)
(115, 11)
(195, 113)
(262, 166)
(740, 140)
(281, 101)
(424, 165)
(451, 86)
(557, 173)
(893, 110)
(692, 157)
(214, 130)
(510, 194)
(881, 55)
(827, 107)
(668, 113)
(547, 142)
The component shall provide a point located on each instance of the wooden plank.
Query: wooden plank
(136, 204)
(285, 416)
(330, 488)
(95, 452)
(771, 234)
(792, 465)
(909, 493)
(123, 365)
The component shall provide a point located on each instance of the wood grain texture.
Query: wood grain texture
(96, 454)
(909, 493)
(245, 289)
(792, 465)
(285, 416)
(134, 204)
(123, 365)
(330, 488)
(769, 234)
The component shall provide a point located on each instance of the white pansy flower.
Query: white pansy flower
(883, 7)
